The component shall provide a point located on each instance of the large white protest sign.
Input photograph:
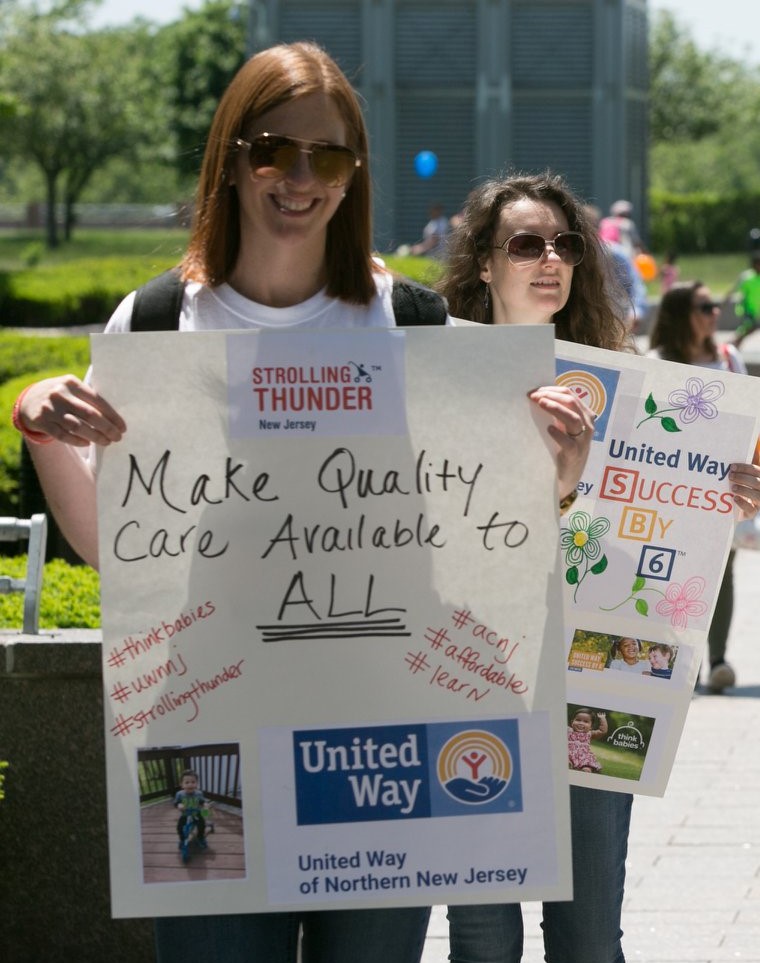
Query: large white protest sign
(643, 552)
(331, 587)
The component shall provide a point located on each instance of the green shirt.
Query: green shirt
(749, 292)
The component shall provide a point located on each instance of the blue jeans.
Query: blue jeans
(586, 930)
(335, 936)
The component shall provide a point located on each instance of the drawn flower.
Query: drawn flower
(696, 400)
(581, 540)
(681, 602)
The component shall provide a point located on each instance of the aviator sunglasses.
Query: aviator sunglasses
(569, 246)
(272, 155)
(707, 307)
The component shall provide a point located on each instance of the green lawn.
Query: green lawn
(717, 271)
(16, 247)
(620, 763)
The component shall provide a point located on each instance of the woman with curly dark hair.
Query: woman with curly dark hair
(525, 253)
(501, 238)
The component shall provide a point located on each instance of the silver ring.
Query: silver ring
(576, 434)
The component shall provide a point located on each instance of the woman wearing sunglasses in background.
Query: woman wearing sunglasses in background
(524, 253)
(281, 239)
(684, 330)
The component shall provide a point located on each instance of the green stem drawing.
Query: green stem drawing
(650, 406)
(641, 605)
(668, 424)
(573, 578)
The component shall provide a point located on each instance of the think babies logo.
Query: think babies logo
(406, 772)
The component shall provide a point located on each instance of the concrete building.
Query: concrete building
(487, 86)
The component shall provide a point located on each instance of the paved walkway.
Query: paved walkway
(693, 881)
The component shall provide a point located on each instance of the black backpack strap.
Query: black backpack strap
(414, 304)
(158, 303)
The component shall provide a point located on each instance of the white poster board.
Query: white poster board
(330, 585)
(643, 552)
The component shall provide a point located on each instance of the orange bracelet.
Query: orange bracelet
(36, 437)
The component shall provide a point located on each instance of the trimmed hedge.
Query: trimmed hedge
(701, 223)
(29, 359)
(85, 291)
(22, 355)
(70, 595)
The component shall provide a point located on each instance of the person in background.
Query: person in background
(669, 272)
(627, 287)
(191, 802)
(526, 253)
(434, 235)
(625, 655)
(684, 331)
(620, 228)
(580, 734)
(660, 658)
(745, 295)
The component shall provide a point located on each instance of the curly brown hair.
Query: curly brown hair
(590, 315)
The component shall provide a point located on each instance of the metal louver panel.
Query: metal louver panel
(444, 125)
(435, 45)
(552, 45)
(335, 26)
(555, 136)
(636, 47)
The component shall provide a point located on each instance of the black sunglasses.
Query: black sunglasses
(706, 307)
(569, 246)
(272, 155)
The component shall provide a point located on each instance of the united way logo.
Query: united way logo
(474, 767)
(595, 387)
(411, 771)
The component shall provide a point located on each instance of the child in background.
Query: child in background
(660, 656)
(580, 732)
(191, 802)
(669, 272)
(625, 653)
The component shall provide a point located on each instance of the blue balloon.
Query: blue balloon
(425, 164)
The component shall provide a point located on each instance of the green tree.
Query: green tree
(703, 109)
(204, 50)
(78, 99)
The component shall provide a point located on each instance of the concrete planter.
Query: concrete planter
(54, 886)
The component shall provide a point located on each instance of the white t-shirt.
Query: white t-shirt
(223, 309)
(622, 666)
